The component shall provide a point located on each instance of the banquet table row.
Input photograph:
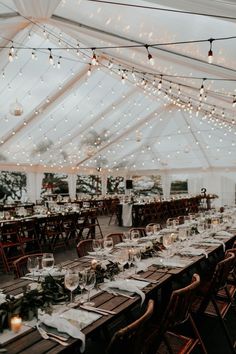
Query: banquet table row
(161, 280)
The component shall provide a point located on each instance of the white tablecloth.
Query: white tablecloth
(127, 215)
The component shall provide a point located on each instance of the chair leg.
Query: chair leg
(227, 335)
(203, 348)
(167, 344)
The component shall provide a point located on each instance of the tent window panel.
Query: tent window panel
(12, 186)
(115, 185)
(90, 184)
(54, 183)
(147, 185)
(179, 187)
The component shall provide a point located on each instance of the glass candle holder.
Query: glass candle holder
(16, 323)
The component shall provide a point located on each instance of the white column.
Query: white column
(34, 185)
(228, 191)
(213, 185)
(72, 179)
(104, 185)
(166, 185)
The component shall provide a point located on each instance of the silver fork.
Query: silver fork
(45, 335)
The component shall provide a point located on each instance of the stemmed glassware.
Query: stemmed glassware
(89, 285)
(82, 282)
(32, 265)
(97, 246)
(108, 244)
(122, 258)
(71, 281)
(136, 258)
(48, 261)
(135, 235)
(149, 230)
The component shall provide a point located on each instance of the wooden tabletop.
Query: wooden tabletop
(31, 342)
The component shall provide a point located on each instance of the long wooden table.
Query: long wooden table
(31, 341)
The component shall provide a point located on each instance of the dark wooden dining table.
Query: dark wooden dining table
(31, 342)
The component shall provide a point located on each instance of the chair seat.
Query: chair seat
(222, 293)
(9, 244)
(178, 344)
(223, 307)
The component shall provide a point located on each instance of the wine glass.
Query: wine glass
(156, 228)
(97, 246)
(48, 261)
(149, 230)
(82, 282)
(126, 237)
(89, 285)
(32, 265)
(135, 235)
(71, 281)
(136, 258)
(108, 244)
(122, 258)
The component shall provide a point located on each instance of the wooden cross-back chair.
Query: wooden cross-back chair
(20, 264)
(116, 237)
(83, 247)
(209, 303)
(164, 337)
(130, 339)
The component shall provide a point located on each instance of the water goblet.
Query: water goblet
(137, 258)
(108, 244)
(135, 235)
(149, 230)
(71, 281)
(48, 261)
(82, 283)
(97, 246)
(89, 285)
(32, 265)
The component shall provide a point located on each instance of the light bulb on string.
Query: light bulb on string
(160, 84)
(234, 101)
(77, 50)
(123, 79)
(89, 70)
(94, 57)
(50, 57)
(33, 54)
(210, 52)
(59, 63)
(202, 88)
(110, 64)
(150, 58)
(10, 57)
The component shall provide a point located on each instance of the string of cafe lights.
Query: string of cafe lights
(94, 60)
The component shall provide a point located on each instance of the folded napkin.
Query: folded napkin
(191, 251)
(55, 272)
(170, 262)
(213, 241)
(130, 285)
(223, 234)
(127, 244)
(62, 325)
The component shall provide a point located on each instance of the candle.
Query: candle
(16, 323)
(94, 263)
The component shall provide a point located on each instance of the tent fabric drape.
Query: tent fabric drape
(72, 179)
(166, 185)
(34, 185)
(36, 8)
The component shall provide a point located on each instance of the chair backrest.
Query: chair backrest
(221, 273)
(179, 305)
(129, 339)
(83, 247)
(141, 230)
(116, 237)
(20, 264)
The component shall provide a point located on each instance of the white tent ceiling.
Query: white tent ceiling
(72, 121)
